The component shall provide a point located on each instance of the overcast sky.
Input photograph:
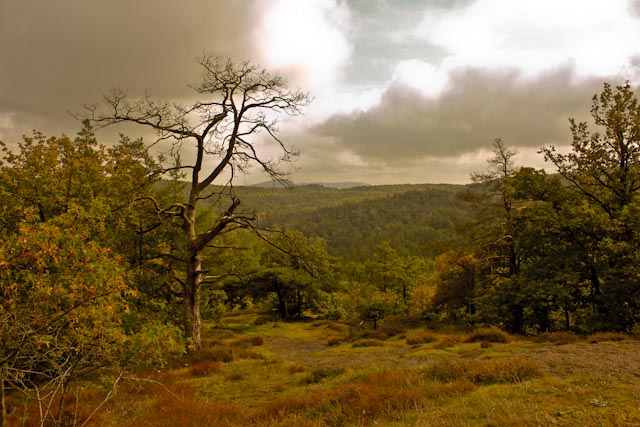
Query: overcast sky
(405, 91)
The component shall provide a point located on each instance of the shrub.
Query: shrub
(509, 371)
(333, 341)
(370, 334)
(446, 342)
(558, 338)
(494, 335)
(262, 320)
(296, 368)
(206, 368)
(368, 343)
(320, 374)
(247, 342)
(338, 327)
(421, 338)
(216, 354)
(234, 376)
(257, 341)
(606, 336)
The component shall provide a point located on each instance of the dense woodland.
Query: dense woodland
(95, 266)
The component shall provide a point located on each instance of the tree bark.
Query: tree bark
(3, 405)
(192, 298)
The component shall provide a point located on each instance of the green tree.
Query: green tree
(603, 168)
(48, 177)
(296, 270)
(389, 271)
(456, 284)
(497, 236)
(236, 102)
(64, 305)
(374, 304)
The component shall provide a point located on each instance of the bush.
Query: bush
(254, 341)
(257, 341)
(216, 354)
(262, 320)
(606, 336)
(296, 368)
(558, 338)
(446, 342)
(370, 334)
(494, 335)
(235, 376)
(206, 368)
(333, 341)
(317, 375)
(421, 338)
(510, 371)
(338, 327)
(372, 342)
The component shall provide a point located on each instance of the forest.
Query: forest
(113, 256)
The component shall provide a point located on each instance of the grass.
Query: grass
(558, 338)
(321, 374)
(606, 336)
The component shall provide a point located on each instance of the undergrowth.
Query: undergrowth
(245, 380)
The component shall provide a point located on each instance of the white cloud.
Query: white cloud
(307, 38)
(593, 36)
(424, 77)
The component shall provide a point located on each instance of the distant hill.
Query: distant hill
(338, 185)
(416, 219)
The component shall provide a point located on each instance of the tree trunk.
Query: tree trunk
(515, 321)
(192, 298)
(567, 318)
(283, 309)
(3, 406)
(194, 276)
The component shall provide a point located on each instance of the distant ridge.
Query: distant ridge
(337, 185)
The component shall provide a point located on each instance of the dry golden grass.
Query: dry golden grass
(289, 376)
(606, 336)
(509, 371)
(558, 338)
(206, 368)
(488, 335)
(421, 338)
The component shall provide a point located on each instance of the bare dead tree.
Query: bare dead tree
(237, 101)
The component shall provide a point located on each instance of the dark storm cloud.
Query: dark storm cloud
(57, 55)
(478, 107)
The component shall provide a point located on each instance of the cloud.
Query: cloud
(490, 68)
(307, 40)
(535, 37)
(405, 90)
(59, 55)
(478, 107)
(422, 76)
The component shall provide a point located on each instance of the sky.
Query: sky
(404, 91)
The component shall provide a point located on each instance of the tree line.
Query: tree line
(560, 251)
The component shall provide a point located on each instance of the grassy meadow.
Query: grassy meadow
(323, 373)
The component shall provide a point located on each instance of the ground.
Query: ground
(326, 373)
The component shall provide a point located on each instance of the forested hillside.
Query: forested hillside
(419, 220)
